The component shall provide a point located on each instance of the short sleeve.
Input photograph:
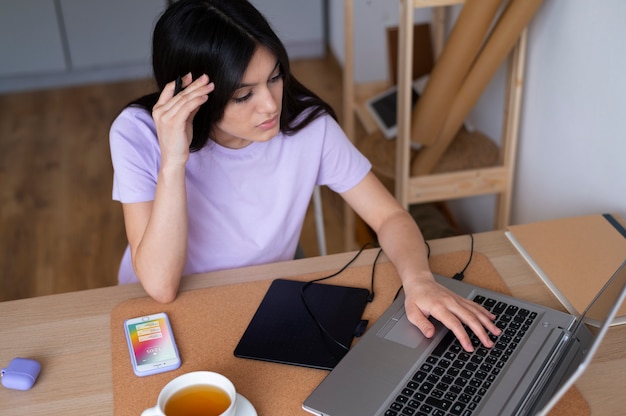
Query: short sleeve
(135, 155)
(343, 165)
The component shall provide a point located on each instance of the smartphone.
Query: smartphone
(151, 344)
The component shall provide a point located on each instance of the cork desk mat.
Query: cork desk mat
(208, 324)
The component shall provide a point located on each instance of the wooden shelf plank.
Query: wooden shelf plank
(455, 185)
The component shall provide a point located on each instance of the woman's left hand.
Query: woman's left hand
(425, 297)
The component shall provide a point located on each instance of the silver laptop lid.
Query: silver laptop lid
(596, 318)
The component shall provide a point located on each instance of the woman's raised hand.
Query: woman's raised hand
(173, 116)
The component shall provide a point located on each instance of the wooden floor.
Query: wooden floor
(59, 228)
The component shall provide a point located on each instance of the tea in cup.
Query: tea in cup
(198, 393)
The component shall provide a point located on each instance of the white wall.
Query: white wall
(573, 128)
(573, 135)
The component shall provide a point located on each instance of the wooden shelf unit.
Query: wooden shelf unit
(433, 187)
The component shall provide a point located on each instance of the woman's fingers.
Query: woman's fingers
(455, 312)
(192, 94)
(175, 112)
(173, 116)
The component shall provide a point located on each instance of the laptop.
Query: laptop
(395, 371)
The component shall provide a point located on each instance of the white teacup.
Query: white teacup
(199, 384)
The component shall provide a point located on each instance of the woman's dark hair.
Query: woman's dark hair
(219, 38)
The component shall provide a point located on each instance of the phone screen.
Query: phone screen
(152, 345)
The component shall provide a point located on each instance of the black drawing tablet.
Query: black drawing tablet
(282, 330)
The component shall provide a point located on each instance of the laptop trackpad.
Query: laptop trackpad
(400, 330)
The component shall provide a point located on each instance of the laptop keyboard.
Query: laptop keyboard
(453, 381)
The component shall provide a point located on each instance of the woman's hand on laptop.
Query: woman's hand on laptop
(401, 239)
(426, 297)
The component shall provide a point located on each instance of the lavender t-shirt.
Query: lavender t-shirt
(245, 206)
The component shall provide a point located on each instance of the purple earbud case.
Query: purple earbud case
(21, 374)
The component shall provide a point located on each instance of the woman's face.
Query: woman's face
(253, 113)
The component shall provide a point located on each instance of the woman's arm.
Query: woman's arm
(402, 241)
(157, 235)
(157, 230)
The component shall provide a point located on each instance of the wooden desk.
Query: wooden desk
(70, 333)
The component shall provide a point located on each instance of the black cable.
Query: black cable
(460, 275)
(370, 298)
(344, 267)
(307, 284)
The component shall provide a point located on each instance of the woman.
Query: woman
(220, 174)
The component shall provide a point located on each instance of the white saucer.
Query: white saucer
(244, 407)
